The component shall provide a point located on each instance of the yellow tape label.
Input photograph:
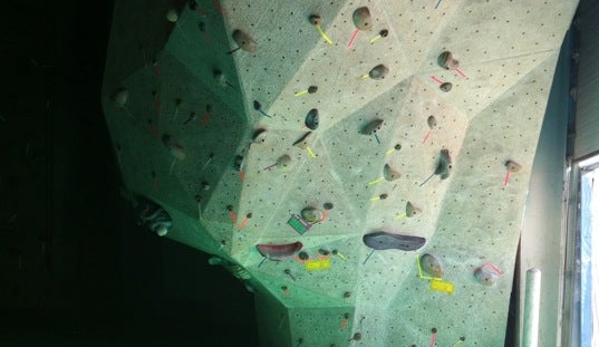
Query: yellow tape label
(322, 264)
(442, 286)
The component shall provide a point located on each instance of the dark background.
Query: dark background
(76, 270)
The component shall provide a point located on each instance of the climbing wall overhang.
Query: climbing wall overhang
(217, 135)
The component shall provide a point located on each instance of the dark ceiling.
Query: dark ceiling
(76, 269)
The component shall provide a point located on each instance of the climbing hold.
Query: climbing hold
(151, 215)
(238, 163)
(390, 174)
(431, 265)
(221, 79)
(446, 86)
(383, 33)
(442, 167)
(431, 121)
(512, 166)
(279, 252)
(328, 206)
(258, 107)
(411, 210)
(378, 72)
(312, 119)
(120, 97)
(382, 240)
(174, 148)
(487, 275)
(284, 162)
(303, 255)
(372, 127)
(311, 215)
(356, 337)
(245, 41)
(172, 15)
(446, 61)
(259, 136)
(362, 18)
(303, 141)
(317, 22)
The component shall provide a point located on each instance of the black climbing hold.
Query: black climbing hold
(382, 240)
(312, 119)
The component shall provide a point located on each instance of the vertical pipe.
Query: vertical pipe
(532, 302)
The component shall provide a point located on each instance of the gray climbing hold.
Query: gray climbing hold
(382, 240)
(431, 265)
(151, 215)
(372, 127)
(312, 119)
(362, 18)
(259, 136)
(390, 174)
(120, 97)
(245, 41)
(512, 166)
(378, 72)
(446, 87)
(446, 61)
(315, 20)
(431, 122)
(486, 276)
(284, 162)
(311, 215)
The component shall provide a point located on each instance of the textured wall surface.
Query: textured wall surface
(177, 130)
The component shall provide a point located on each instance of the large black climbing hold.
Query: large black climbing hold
(312, 119)
(382, 240)
(372, 127)
(245, 41)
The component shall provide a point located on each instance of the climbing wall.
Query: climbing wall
(366, 162)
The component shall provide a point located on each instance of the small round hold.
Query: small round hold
(328, 206)
(245, 41)
(312, 89)
(284, 288)
(397, 147)
(357, 336)
(248, 216)
(362, 19)
(384, 33)
(172, 15)
(446, 87)
(311, 215)
(205, 186)
(324, 251)
(486, 276)
(230, 208)
(346, 294)
(303, 255)
(284, 162)
(378, 72)
(312, 119)
(431, 121)
(161, 230)
(315, 20)
(383, 196)
(346, 315)
(120, 97)
(434, 330)
(512, 166)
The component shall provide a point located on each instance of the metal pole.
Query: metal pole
(532, 303)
